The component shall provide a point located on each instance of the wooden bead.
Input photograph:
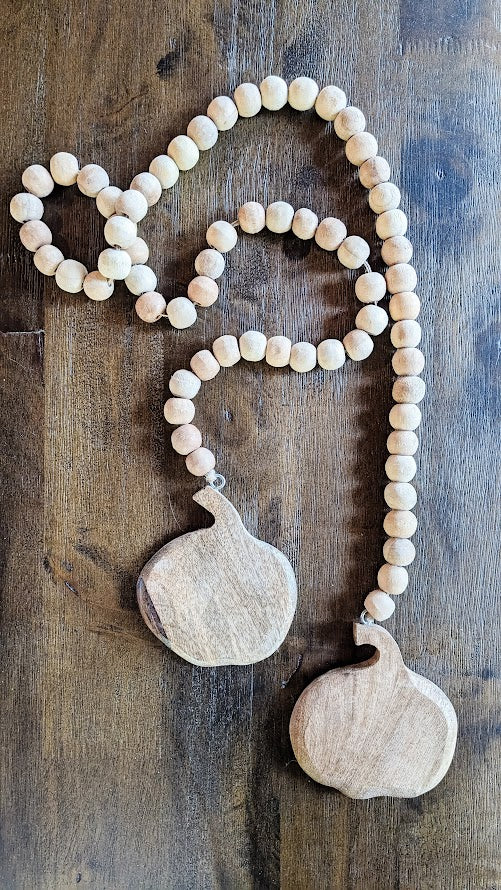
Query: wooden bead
(353, 252)
(274, 92)
(331, 232)
(70, 276)
(278, 352)
(205, 365)
(399, 551)
(64, 168)
(405, 417)
(106, 200)
(304, 224)
(92, 179)
(392, 579)
(35, 234)
(139, 252)
(223, 111)
(179, 411)
(165, 170)
(149, 186)
(222, 235)
(150, 306)
(133, 204)
(409, 389)
(113, 263)
(47, 258)
(406, 333)
(330, 101)
(181, 313)
(331, 354)
(279, 216)
(370, 287)
(360, 148)
(203, 131)
(400, 495)
(252, 217)
(226, 350)
(379, 605)
(400, 468)
(385, 196)
(372, 319)
(303, 357)
(358, 345)
(391, 223)
(252, 346)
(401, 277)
(373, 171)
(302, 93)
(402, 442)
(247, 99)
(404, 306)
(200, 462)
(183, 151)
(141, 279)
(349, 121)
(210, 263)
(120, 231)
(400, 524)
(203, 291)
(408, 360)
(184, 384)
(25, 207)
(397, 249)
(37, 180)
(96, 287)
(186, 438)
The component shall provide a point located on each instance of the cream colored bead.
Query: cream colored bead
(149, 186)
(401, 277)
(331, 232)
(391, 224)
(96, 287)
(303, 357)
(47, 258)
(409, 389)
(358, 345)
(92, 179)
(279, 216)
(402, 442)
(373, 171)
(120, 231)
(179, 411)
(200, 462)
(25, 207)
(223, 111)
(186, 438)
(150, 306)
(397, 249)
(404, 306)
(331, 354)
(203, 291)
(399, 551)
(165, 170)
(70, 276)
(210, 263)
(274, 92)
(133, 204)
(360, 148)
(252, 346)
(405, 417)
(222, 236)
(408, 361)
(37, 180)
(181, 313)
(372, 319)
(353, 252)
(113, 263)
(35, 234)
(385, 196)
(349, 121)
(379, 605)
(184, 384)
(330, 101)
(247, 99)
(140, 280)
(252, 217)
(304, 224)
(205, 365)
(106, 200)
(203, 131)
(64, 168)
(278, 351)
(139, 252)
(302, 94)
(400, 495)
(183, 151)
(392, 579)
(400, 468)
(370, 287)
(400, 524)
(226, 350)
(406, 333)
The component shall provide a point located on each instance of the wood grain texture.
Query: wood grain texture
(121, 766)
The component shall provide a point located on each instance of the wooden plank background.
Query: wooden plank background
(122, 767)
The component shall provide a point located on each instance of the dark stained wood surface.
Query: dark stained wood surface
(123, 768)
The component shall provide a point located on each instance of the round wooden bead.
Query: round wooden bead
(331, 232)
(247, 99)
(399, 551)
(70, 276)
(96, 287)
(274, 92)
(25, 207)
(353, 252)
(205, 365)
(113, 263)
(331, 354)
(408, 360)
(222, 235)
(64, 168)
(226, 350)
(150, 306)
(379, 605)
(392, 579)
(252, 217)
(409, 389)
(165, 170)
(37, 180)
(47, 258)
(133, 204)
(149, 186)
(278, 352)
(200, 462)
(372, 319)
(401, 277)
(406, 333)
(402, 442)
(391, 223)
(184, 384)
(360, 148)
(385, 196)
(370, 287)
(304, 223)
(223, 111)
(373, 171)
(400, 495)
(330, 101)
(279, 216)
(92, 179)
(400, 524)
(138, 252)
(358, 345)
(203, 131)
(404, 306)
(203, 291)
(252, 346)
(181, 313)
(302, 94)
(183, 151)
(397, 249)
(210, 263)
(141, 279)
(35, 234)
(400, 468)
(303, 357)
(179, 411)
(186, 438)
(405, 417)
(106, 200)
(349, 121)
(120, 231)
